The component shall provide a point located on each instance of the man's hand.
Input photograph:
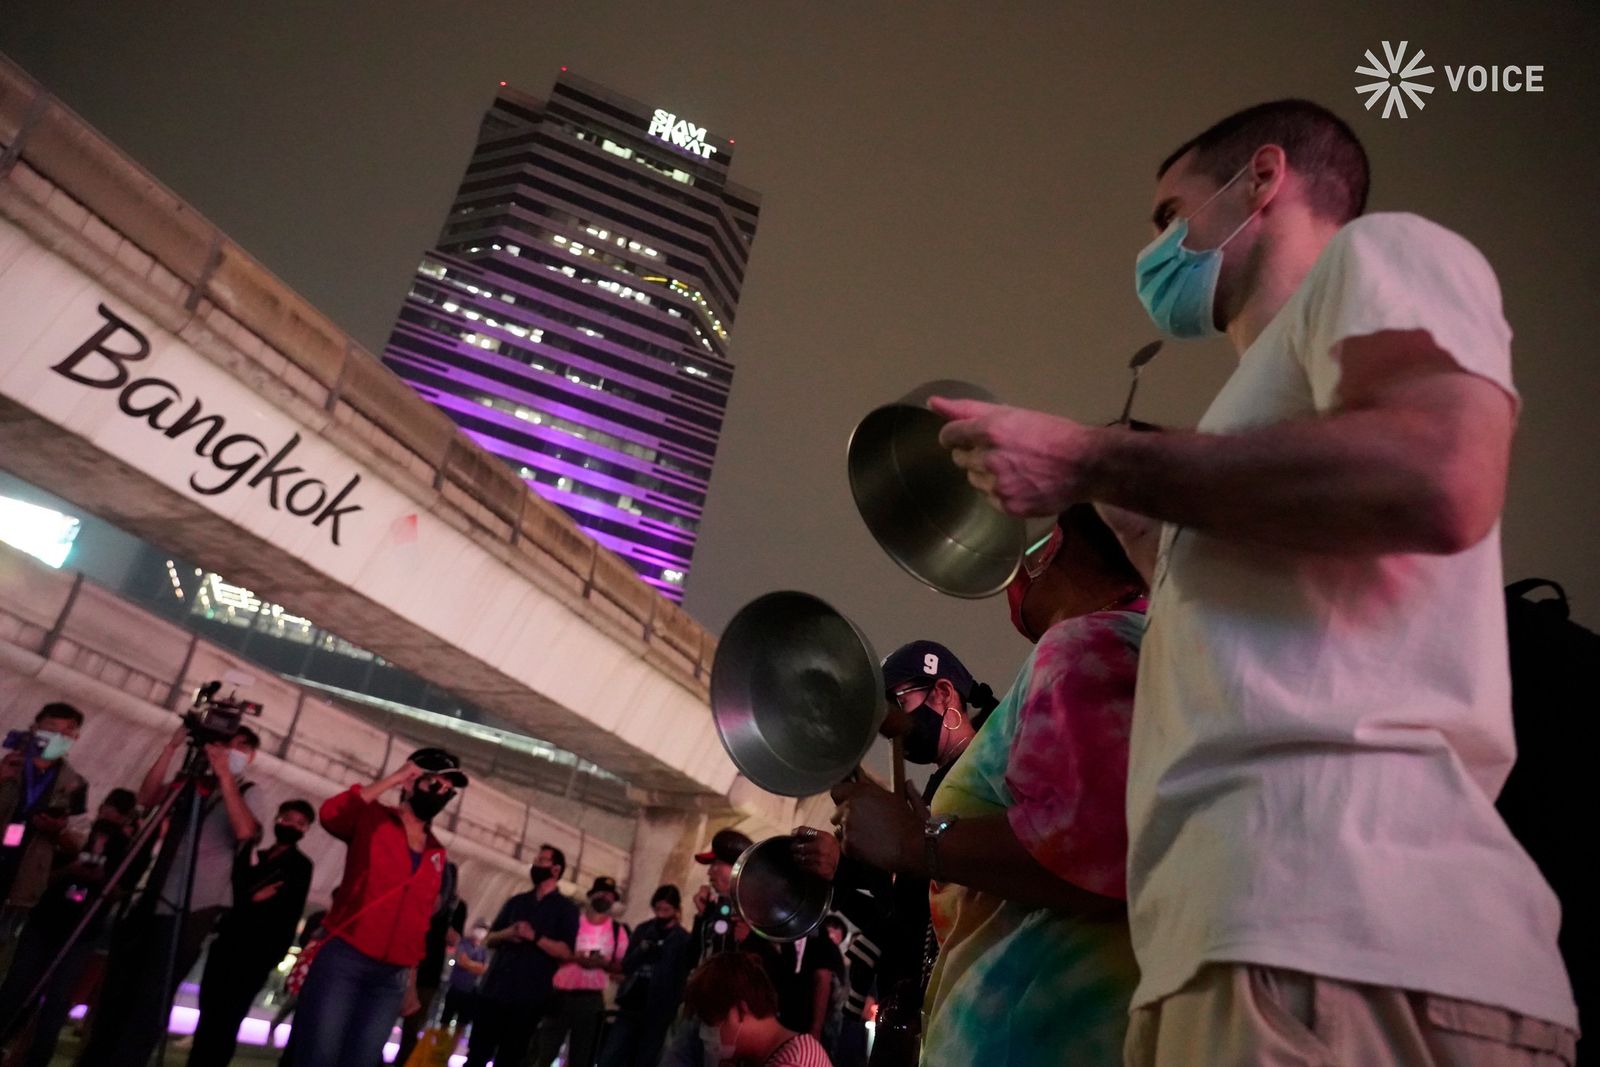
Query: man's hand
(1028, 463)
(266, 892)
(702, 899)
(217, 756)
(816, 851)
(522, 930)
(879, 828)
(48, 825)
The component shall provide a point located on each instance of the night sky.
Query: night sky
(950, 191)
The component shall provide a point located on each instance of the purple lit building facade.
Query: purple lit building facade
(574, 317)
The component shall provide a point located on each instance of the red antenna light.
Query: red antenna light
(563, 70)
(502, 85)
(730, 140)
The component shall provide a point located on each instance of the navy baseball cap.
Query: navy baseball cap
(927, 662)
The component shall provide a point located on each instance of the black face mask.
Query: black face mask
(426, 805)
(287, 835)
(922, 740)
(540, 875)
(600, 903)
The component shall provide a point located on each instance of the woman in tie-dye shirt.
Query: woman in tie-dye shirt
(1035, 962)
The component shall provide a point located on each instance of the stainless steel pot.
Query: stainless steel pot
(771, 892)
(796, 694)
(919, 505)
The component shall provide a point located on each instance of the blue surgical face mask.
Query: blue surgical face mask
(1177, 285)
(56, 744)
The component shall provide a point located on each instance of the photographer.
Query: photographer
(39, 793)
(134, 1005)
(654, 970)
(76, 883)
(269, 893)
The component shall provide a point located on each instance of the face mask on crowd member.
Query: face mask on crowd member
(429, 793)
(1178, 285)
(721, 1050)
(938, 707)
(478, 934)
(295, 817)
(603, 895)
(55, 728)
(549, 865)
(930, 690)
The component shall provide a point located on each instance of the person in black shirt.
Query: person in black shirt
(936, 707)
(714, 919)
(530, 937)
(654, 970)
(76, 881)
(805, 999)
(269, 893)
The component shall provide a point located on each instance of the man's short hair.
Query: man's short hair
(557, 857)
(59, 710)
(1319, 145)
(122, 800)
(302, 806)
(251, 738)
(726, 981)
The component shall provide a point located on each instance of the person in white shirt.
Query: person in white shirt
(1316, 870)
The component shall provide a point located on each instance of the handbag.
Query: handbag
(295, 980)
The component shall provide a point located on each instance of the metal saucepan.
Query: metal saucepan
(919, 505)
(771, 892)
(796, 694)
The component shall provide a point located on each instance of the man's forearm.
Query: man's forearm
(155, 779)
(1352, 483)
(240, 817)
(984, 854)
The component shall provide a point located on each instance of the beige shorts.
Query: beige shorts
(1239, 1015)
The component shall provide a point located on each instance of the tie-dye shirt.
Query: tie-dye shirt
(1016, 985)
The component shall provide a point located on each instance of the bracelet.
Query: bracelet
(937, 825)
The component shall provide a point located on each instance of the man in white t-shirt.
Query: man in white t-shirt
(1317, 874)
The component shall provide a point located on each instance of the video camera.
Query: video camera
(214, 721)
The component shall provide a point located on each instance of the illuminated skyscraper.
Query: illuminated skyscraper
(574, 317)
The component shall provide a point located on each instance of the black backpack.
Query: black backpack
(1549, 798)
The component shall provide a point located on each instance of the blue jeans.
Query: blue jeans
(347, 1007)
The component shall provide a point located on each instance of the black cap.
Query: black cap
(726, 845)
(439, 762)
(925, 661)
(668, 893)
(603, 884)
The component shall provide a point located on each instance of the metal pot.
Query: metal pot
(919, 505)
(771, 892)
(796, 694)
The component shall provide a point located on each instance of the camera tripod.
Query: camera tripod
(183, 796)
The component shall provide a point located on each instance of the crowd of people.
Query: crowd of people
(526, 987)
(1235, 809)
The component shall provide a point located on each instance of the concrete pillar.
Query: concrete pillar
(664, 844)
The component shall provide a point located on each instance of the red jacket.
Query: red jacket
(382, 906)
